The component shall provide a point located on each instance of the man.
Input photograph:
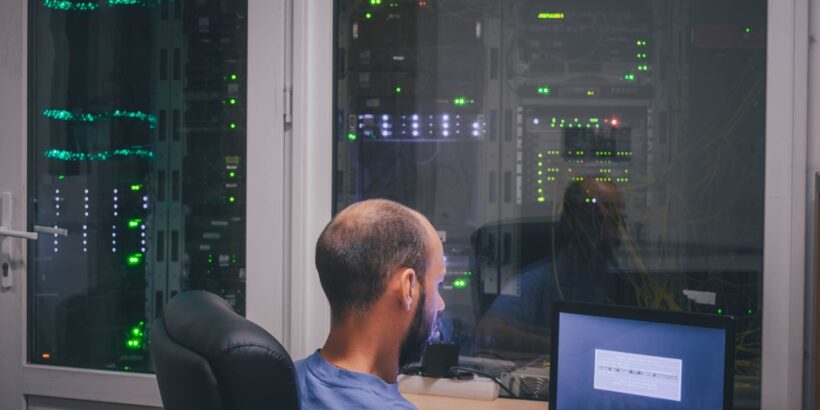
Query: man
(584, 246)
(380, 265)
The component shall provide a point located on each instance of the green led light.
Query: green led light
(231, 174)
(541, 199)
(232, 101)
(629, 77)
(368, 15)
(232, 125)
(65, 5)
(61, 177)
(233, 77)
(375, 2)
(65, 115)
(551, 16)
(63, 155)
(460, 283)
(351, 136)
(747, 29)
(231, 199)
(136, 187)
(641, 43)
(134, 223)
(134, 259)
(544, 90)
(749, 311)
(468, 273)
(398, 90)
(461, 101)
(720, 311)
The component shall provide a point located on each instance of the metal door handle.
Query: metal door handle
(18, 234)
(5, 276)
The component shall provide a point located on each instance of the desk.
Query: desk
(425, 402)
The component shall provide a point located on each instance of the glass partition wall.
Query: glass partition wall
(598, 151)
(136, 170)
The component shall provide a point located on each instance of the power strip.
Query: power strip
(479, 388)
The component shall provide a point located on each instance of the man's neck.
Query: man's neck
(363, 346)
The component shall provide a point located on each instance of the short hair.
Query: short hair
(362, 246)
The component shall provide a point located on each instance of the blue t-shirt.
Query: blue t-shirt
(324, 386)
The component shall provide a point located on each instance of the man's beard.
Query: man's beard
(414, 343)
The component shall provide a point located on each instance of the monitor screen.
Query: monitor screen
(625, 361)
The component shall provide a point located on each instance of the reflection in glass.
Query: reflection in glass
(600, 151)
(137, 149)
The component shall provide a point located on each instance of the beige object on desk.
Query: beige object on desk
(424, 402)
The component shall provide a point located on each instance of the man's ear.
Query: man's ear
(407, 278)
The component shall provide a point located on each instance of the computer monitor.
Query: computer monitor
(611, 357)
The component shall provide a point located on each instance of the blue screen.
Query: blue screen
(610, 363)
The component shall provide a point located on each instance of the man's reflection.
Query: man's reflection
(583, 245)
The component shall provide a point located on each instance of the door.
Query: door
(127, 156)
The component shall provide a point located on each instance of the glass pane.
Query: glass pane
(137, 149)
(599, 151)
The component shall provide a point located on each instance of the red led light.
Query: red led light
(615, 122)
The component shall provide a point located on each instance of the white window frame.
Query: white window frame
(785, 188)
(266, 237)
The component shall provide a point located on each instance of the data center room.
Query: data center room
(645, 155)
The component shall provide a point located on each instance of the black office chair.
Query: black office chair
(207, 357)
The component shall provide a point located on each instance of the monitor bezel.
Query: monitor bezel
(723, 322)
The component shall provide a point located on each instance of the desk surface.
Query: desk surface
(425, 402)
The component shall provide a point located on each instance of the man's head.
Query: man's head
(378, 257)
(593, 216)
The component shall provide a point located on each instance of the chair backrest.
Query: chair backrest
(207, 357)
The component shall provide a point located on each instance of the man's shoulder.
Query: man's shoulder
(320, 388)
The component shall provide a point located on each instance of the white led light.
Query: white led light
(55, 249)
(446, 125)
(415, 133)
(115, 214)
(85, 235)
(415, 117)
(415, 125)
(115, 206)
(446, 133)
(475, 133)
(144, 206)
(56, 191)
(145, 198)
(385, 117)
(115, 190)
(113, 249)
(86, 191)
(445, 117)
(86, 214)
(475, 125)
(535, 121)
